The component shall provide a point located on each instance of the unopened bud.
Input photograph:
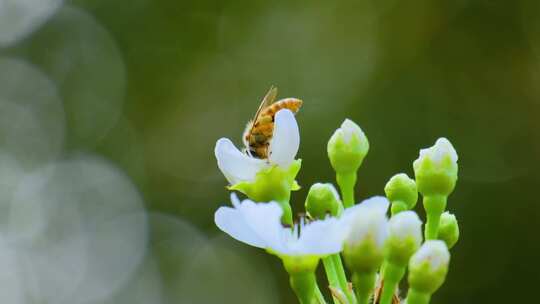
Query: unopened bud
(347, 148)
(404, 237)
(323, 200)
(363, 249)
(402, 192)
(436, 169)
(448, 229)
(428, 267)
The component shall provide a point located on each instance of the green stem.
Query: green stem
(346, 183)
(304, 285)
(364, 282)
(434, 206)
(343, 282)
(319, 296)
(392, 275)
(397, 207)
(417, 297)
(330, 269)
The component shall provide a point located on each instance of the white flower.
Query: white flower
(259, 225)
(367, 221)
(437, 152)
(238, 166)
(404, 225)
(434, 252)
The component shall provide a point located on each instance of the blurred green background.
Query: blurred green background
(110, 109)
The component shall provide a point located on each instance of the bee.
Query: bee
(260, 129)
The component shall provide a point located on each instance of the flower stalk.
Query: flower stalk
(364, 283)
(434, 206)
(347, 183)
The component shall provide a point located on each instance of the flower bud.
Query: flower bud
(436, 169)
(402, 192)
(363, 249)
(448, 229)
(323, 200)
(347, 148)
(404, 237)
(428, 267)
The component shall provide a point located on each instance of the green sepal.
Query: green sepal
(398, 252)
(301, 270)
(424, 279)
(300, 263)
(363, 257)
(273, 184)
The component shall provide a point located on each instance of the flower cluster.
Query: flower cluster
(377, 247)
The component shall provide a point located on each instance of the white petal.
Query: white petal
(322, 237)
(406, 224)
(231, 222)
(437, 152)
(235, 165)
(264, 219)
(254, 224)
(378, 203)
(367, 220)
(434, 251)
(285, 140)
(350, 129)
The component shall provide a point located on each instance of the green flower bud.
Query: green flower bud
(428, 267)
(436, 169)
(323, 200)
(448, 229)
(363, 248)
(402, 192)
(404, 237)
(347, 148)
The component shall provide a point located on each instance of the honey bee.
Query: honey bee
(260, 129)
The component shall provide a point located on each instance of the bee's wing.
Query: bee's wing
(268, 99)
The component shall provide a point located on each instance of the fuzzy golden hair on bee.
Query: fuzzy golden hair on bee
(259, 130)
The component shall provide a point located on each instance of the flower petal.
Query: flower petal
(350, 129)
(285, 140)
(265, 220)
(231, 222)
(437, 152)
(255, 224)
(322, 237)
(367, 220)
(433, 251)
(379, 204)
(235, 165)
(406, 224)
